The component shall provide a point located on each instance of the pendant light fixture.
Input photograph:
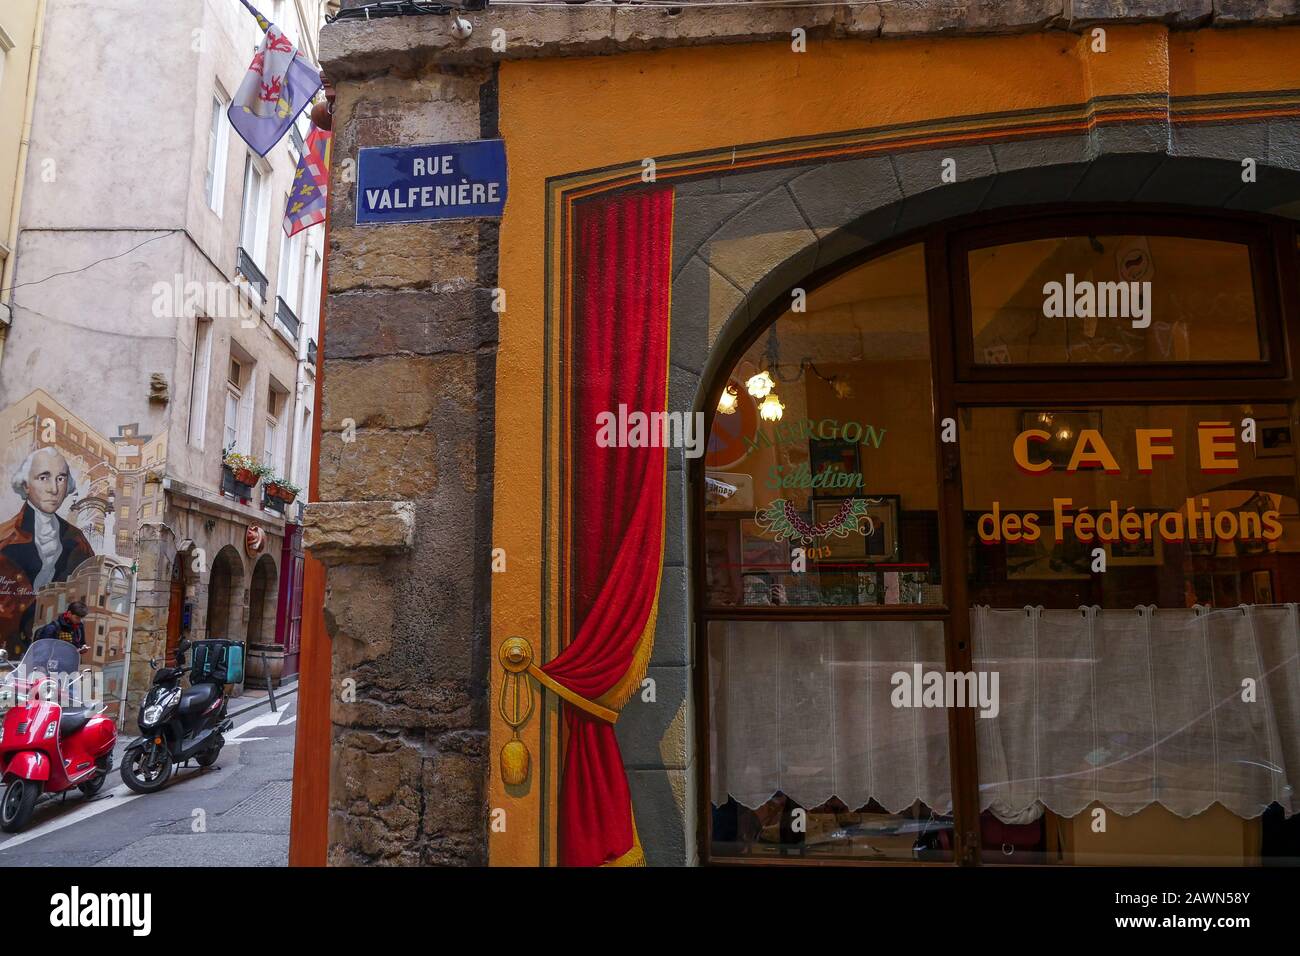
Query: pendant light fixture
(727, 400)
(771, 409)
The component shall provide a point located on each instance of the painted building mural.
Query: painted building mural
(78, 495)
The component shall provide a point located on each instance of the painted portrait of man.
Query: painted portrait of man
(36, 545)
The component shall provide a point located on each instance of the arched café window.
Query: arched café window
(1000, 553)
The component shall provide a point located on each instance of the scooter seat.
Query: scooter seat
(196, 699)
(71, 720)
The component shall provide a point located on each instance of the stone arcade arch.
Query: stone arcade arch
(263, 592)
(226, 596)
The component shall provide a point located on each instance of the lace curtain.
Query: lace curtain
(803, 708)
(1128, 708)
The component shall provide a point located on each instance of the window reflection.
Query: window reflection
(1130, 569)
(820, 477)
(1109, 298)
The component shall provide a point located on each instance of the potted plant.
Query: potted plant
(245, 470)
(282, 488)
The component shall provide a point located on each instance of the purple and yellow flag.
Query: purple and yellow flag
(278, 84)
(310, 184)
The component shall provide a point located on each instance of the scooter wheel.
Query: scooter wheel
(93, 785)
(18, 803)
(208, 757)
(144, 775)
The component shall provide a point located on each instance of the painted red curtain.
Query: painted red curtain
(622, 257)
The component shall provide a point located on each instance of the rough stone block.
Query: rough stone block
(1255, 11)
(363, 324)
(917, 17)
(396, 391)
(442, 256)
(338, 532)
(1181, 12)
(454, 785)
(348, 470)
(360, 630)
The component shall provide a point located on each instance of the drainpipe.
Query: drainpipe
(130, 639)
(11, 236)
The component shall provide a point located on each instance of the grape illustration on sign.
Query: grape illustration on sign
(429, 183)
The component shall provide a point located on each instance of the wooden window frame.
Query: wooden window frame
(1254, 236)
(956, 384)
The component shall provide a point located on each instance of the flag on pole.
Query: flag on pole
(278, 84)
(310, 183)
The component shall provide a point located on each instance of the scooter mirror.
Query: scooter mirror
(153, 663)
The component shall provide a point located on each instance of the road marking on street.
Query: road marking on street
(262, 720)
(121, 795)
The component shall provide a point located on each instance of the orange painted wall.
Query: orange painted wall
(560, 116)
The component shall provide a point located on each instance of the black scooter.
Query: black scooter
(176, 724)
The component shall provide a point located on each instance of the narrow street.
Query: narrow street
(233, 814)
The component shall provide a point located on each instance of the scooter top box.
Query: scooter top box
(217, 660)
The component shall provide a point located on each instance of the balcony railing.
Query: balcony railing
(286, 317)
(246, 267)
(311, 351)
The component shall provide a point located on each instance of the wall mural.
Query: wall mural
(75, 499)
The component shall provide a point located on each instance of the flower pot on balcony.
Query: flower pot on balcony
(231, 483)
(245, 476)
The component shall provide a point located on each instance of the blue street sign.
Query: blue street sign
(426, 183)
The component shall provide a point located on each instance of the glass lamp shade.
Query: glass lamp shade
(760, 385)
(771, 409)
(727, 401)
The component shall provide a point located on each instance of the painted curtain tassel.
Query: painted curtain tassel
(622, 262)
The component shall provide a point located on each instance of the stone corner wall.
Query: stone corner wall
(565, 28)
(403, 521)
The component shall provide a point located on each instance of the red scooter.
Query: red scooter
(50, 741)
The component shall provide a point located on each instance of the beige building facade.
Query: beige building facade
(160, 318)
(20, 37)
